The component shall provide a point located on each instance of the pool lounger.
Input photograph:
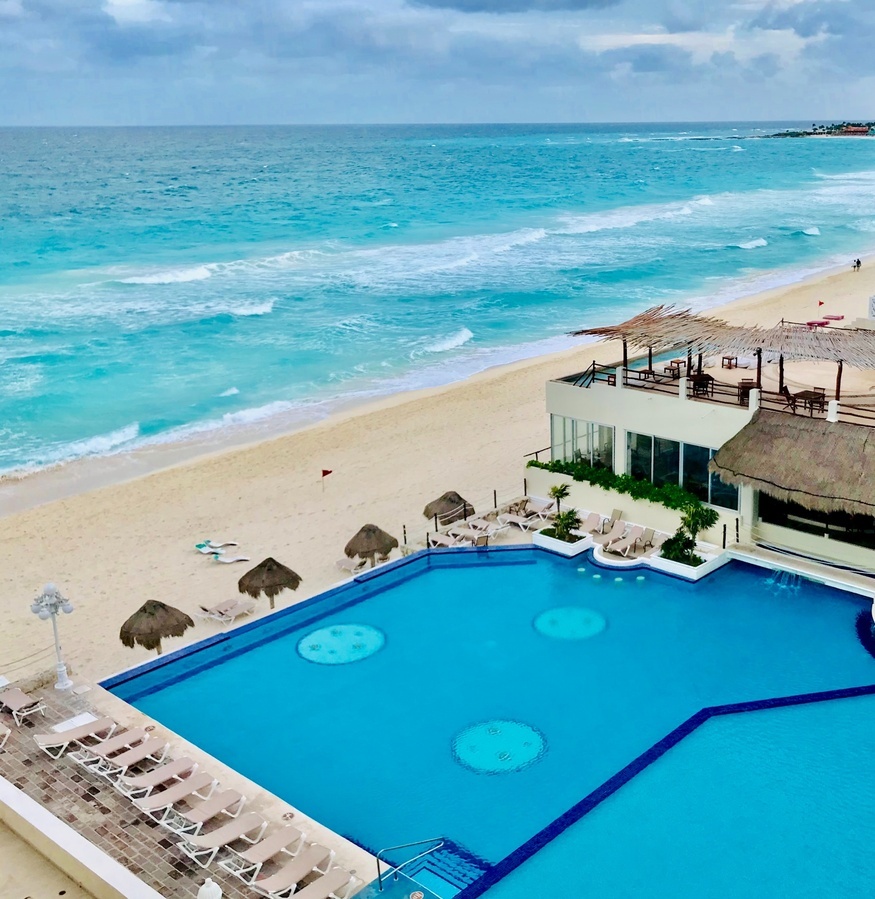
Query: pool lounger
(4, 734)
(613, 535)
(151, 750)
(521, 521)
(336, 884)
(621, 547)
(20, 704)
(230, 561)
(86, 756)
(203, 848)
(286, 879)
(190, 822)
(247, 865)
(56, 744)
(227, 611)
(159, 804)
(142, 784)
(351, 565)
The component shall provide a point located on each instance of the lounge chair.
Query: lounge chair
(613, 535)
(284, 882)
(247, 865)
(191, 821)
(622, 546)
(231, 559)
(591, 524)
(203, 848)
(56, 744)
(213, 545)
(336, 884)
(227, 611)
(142, 784)
(647, 538)
(438, 539)
(87, 756)
(151, 750)
(158, 805)
(543, 508)
(658, 540)
(608, 523)
(353, 566)
(4, 734)
(523, 522)
(20, 704)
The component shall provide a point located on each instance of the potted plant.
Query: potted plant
(680, 548)
(559, 536)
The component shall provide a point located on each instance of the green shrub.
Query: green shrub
(564, 523)
(680, 548)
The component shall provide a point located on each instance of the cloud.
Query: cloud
(515, 6)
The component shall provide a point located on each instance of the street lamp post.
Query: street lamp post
(45, 606)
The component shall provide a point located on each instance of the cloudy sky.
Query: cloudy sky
(299, 61)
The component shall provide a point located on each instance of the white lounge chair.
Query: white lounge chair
(335, 884)
(21, 704)
(438, 540)
(214, 545)
(158, 805)
(543, 508)
(204, 847)
(227, 611)
(614, 534)
(248, 864)
(190, 822)
(87, 756)
(624, 544)
(231, 559)
(151, 750)
(142, 784)
(284, 882)
(353, 566)
(56, 744)
(523, 522)
(4, 734)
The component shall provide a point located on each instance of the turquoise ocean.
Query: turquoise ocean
(164, 284)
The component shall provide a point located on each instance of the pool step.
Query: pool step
(446, 871)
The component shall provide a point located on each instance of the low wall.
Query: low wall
(67, 850)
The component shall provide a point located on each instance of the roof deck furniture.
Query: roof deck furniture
(703, 384)
(729, 362)
(817, 323)
(20, 704)
(811, 399)
(834, 318)
(673, 368)
(745, 385)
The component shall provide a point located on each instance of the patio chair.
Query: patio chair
(203, 848)
(227, 611)
(159, 803)
(284, 882)
(247, 865)
(231, 559)
(613, 535)
(622, 546)
(151, 750)
(86, 756)
(141, 785)
(608, 523)
(4, 734)
(191, 821)
(56, 744)
(336, 884)
(789, 399)
(353, 566)
(20, 704)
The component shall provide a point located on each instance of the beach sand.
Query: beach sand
(111, 549)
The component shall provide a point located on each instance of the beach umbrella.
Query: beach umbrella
(449, 508)
(370, 542)
(151, 623)
(268, 577)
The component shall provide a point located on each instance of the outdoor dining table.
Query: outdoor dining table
(810, 399)
(703, 384)
(744, 388)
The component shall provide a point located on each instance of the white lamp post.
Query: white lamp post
(45, 606)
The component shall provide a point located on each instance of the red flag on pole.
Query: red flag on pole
(326, 472)
(819, 303)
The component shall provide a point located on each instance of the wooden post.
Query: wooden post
(780, 374)
(494, 499)
(689, 360)
(404, 529)
(839, 380)
(625, 354)
(650, 358)
(760, 368)
(699, 367)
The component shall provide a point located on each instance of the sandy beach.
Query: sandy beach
(112, 548)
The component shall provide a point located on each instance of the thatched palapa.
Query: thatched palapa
(449, 508)
(270, 578)
(822, 465)
(153, 622)
(369, 542)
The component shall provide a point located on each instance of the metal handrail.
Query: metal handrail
(438, 841)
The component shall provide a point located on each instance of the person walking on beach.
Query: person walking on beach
(856, 265)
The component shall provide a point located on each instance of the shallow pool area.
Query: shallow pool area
(480, 695)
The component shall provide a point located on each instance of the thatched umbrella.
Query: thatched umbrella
(370, 542)
(268, 577)
(151, 623)
(449, 508)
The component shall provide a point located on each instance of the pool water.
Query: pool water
(479, 695)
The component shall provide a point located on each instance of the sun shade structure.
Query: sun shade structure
(370, 542)
(270, 578)
(666, 328)
(821, 465)
(449, 508)
(151, 623)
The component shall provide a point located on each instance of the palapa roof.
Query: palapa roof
(370, 541)
(151, 623)
(822, 465)
(268, 577)
(667, 328)
(449, 507)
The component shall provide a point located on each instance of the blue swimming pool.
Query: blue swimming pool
(479, 695)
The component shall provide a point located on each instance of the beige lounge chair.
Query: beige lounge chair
(159, 803)
(437, 539)
(20, 704)
(352, 566)
(336, 884)
(543, 508)
(203, 848)
(622, 546)
(614, 534)
(190, 822)
(227, 611)
(523, 522)
(87, 756)
(658, 540)
(591, 524)
(284, 882)
(55, 744)
(4, 734)
(151, 750)
(142, 784)
(608, 523)
(647, 538)
(247, 865)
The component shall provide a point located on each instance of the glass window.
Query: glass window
(856, 529)
(639, 456)
(582, 441)
(696, 476)
(666, 461)
(725, 495)
(603, 447)
(560, 437)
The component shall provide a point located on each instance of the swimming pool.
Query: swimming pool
(479, 695)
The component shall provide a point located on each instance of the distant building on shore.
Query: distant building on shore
(856, 129)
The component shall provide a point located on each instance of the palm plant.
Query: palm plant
(559, 492)
(564, 523)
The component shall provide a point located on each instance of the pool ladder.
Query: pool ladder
(436, 843)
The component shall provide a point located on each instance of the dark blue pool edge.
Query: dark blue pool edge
(578, 811)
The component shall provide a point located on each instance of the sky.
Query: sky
(145, 62)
